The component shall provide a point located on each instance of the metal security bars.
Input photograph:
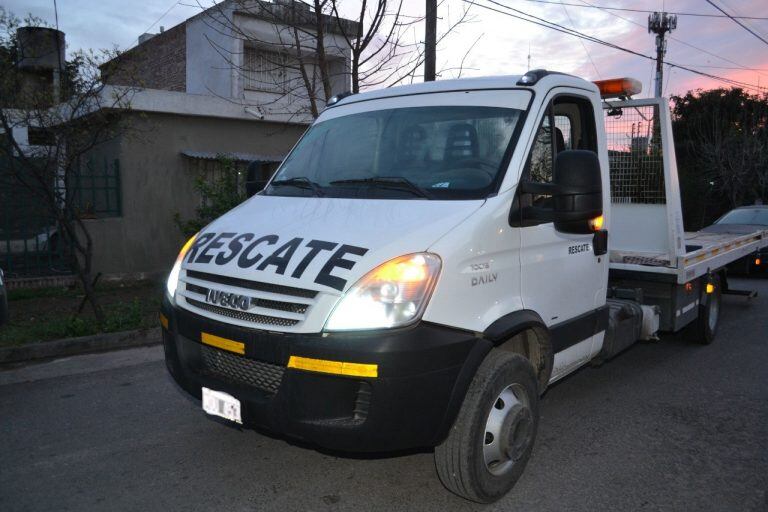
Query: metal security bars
(96, 191)
(30, 242)
(635, 155)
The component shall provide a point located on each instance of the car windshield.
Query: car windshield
(746, 216)
(435, 152)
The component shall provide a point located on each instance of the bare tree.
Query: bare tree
(71, 120)
(317, 49)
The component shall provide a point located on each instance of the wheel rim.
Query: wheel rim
(508, 430)
(714, 311)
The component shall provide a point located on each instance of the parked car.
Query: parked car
(3, 300)
(745, 220)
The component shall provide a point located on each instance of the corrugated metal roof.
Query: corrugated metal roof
(242, 157)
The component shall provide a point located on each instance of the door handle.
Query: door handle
(600, 242)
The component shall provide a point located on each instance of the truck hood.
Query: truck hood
(325, 244)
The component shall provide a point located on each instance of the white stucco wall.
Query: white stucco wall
(214, 58)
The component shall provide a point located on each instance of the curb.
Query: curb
(83, 345)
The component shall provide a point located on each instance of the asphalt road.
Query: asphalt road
(665, 426)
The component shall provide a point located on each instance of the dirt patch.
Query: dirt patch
(51, 313)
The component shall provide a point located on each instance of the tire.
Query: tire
(503, 399)
(704, 328)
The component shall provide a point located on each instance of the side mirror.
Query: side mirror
(579, 197)
(576, 190)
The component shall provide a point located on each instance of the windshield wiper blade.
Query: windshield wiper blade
(300, 182)
(395, 182)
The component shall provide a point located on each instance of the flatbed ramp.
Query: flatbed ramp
(703, 252)
(646, 227)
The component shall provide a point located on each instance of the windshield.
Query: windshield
(746, 216)
(435, 152)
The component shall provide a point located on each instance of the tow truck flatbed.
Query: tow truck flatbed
(704, 252)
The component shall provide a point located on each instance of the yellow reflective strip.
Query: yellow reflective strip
(163, 321)
(333, 367)
(223, 343)
(360, 370)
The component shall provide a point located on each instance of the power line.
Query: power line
(161, 16)
(710, 2)
(726, 67)
(583, 45)
(625, 9)
(677, 40)
(559, 28)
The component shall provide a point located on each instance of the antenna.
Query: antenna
(661, 23)
(529, 57)
(56, 13)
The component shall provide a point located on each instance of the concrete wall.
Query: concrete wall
(215, 60)
(208, 49)
(158, 63)
(157, 182)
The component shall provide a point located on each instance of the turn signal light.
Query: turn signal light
(710, 288)
(596, 224)
(619, 87)
(757, 262)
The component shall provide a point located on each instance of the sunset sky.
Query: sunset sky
(504, 42)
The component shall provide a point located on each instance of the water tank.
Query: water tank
(40, 48)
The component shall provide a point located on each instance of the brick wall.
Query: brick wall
(159, 63)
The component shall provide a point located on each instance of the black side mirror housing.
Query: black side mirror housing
(576, 190)
(579, 197)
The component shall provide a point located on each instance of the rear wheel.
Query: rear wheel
(704, 328)
(491, 441)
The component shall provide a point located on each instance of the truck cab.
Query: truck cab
(424, 263)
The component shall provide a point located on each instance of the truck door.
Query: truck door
(561, 277)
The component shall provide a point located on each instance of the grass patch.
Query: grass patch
(47, 314)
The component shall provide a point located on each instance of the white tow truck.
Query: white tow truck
(429, 258)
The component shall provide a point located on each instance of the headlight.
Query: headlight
(391, 295)
(173, 277)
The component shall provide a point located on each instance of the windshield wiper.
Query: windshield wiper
(393, 182)
(300, 182)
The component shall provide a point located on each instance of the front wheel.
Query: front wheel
(491, 440)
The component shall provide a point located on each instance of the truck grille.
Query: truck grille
(268, 305)
(243, 315)
(241, 370)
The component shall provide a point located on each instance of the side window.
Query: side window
(541, 160)
(563, 132)
(568, 124)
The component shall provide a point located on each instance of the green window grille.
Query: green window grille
(96, 191)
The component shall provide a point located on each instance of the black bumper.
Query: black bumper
(423, 374)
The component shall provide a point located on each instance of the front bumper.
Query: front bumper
(423, 374)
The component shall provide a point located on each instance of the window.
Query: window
(96, 191)
(574, 128)
(264, 70)
(448, 152)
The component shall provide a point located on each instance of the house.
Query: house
(231, 81)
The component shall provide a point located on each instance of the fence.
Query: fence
(32, 243)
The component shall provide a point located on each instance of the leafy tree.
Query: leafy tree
(218, 195)
(73, 122)
(721, 140)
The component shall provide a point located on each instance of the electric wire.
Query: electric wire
(678, 40)
(583, 44)
(742, 25)
(644, 11)
(560, 28)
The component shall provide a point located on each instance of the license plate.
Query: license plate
(221, 404)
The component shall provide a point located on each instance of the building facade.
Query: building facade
(224, 83)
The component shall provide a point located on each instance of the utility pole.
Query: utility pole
(430, 41)
(661, 23)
